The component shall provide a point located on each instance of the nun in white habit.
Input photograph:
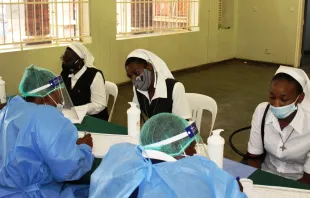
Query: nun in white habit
(286, 142)
(85, 83)
(155, 89)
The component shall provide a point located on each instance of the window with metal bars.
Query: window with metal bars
(29, 23)
(135, 17)
(220, 14)
(226, 14)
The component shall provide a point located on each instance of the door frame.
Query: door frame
(300, 32)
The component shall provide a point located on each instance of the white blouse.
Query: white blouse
(295, 159)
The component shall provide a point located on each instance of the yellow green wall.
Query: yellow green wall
(272, 26)
(179, 50)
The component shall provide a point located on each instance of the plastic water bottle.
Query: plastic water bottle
(133, 121)
(216, 147)
(2, 91)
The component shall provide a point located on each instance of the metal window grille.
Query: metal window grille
(151, 16)
(25, 23)
(226, 14)
(220, 19)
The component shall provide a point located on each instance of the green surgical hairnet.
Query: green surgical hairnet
(161, 127)
(33, 78)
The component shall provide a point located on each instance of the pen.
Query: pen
(238, 178)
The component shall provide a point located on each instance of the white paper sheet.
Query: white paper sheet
(278, 192)
(103, 142)
(260, 191)
(77, 116)
(81, 112)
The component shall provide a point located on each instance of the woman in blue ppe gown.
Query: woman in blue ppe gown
(153, 171)
(39, 151)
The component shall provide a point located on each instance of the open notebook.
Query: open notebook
(102, 142)
(259, 191)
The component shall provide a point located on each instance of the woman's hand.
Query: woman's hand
(256, 163)
(305, 179)
(87, 139)
(2, 105)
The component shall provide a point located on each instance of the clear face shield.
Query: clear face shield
(59, 97)
(188, 143)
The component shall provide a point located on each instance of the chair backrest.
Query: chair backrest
(111, 89)
(198, 103)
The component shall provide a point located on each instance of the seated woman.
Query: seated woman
(286, 142)
(84, 82)
(40, 149)
(162, 166)
(155, 89)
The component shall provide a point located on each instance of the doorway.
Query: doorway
(305, 49)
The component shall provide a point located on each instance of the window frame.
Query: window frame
(25, 42)
(192, 20)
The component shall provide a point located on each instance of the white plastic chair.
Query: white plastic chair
(111, 89)
(198, 103)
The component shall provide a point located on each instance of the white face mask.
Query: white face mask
(285, 111)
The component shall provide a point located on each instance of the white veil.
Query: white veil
(83, 53)
(158, 64)
(303, 79)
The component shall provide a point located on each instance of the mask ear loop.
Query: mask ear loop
(62, 97)
(155, 74)
(73, 69)
(154, 70)
(79, 67)
(52, 99)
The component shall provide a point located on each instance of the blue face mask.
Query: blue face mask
(284, 112)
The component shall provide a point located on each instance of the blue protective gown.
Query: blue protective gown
(124, 169)
(38, 152)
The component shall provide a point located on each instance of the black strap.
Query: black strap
(246, 156)
(263, 130)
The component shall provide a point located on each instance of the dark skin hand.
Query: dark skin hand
(134, 70)
(87, 139)
(256, 163)
(2, 105)
(305, 179)
(282, 93)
